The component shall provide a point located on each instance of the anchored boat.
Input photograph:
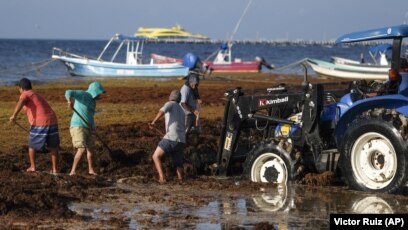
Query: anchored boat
(330, 69)
(132, 66)
(347, 68)
(223, 61)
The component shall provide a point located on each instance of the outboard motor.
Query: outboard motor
(190, 60)
(264, 63)
(194, 64)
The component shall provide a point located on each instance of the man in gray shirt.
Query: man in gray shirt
(175, 138)
(190, 101)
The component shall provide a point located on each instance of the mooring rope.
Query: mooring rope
(35, 66)
(294, 64)
(212, 55)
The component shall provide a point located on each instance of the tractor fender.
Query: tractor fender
(395, 101)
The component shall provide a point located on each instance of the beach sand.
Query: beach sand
(31, 200)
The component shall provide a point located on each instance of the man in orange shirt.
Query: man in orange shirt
(43, 121)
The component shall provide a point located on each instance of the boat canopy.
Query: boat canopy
(380, 48)
(224, 46)
(382, 33)
(132, 38)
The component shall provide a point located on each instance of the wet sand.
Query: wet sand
(125, 194)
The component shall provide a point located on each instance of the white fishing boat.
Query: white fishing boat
(339, 67)
(132, 66)
(348, 71)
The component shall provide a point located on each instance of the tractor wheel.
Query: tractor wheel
(374, 154)
(268, 163)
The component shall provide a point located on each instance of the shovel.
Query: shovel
(96, 134)
(156, 129)
(197, 121)
(22, 127)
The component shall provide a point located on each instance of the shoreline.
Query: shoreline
(216, 76)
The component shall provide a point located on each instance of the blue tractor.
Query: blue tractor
(360, 133)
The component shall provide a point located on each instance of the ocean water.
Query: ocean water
(32, 58)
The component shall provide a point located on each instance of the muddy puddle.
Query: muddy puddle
(212, 203)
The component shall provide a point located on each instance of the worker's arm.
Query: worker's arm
(159, 115)
(74, 95)
(189, 108)
(21, 102)
(71, 102)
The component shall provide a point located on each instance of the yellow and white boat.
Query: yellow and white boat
(176, 32)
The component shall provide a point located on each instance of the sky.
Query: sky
(264, 19)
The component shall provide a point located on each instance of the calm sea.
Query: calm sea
(32, 58)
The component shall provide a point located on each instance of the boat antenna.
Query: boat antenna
(239, 21)
(229, 42)
(406, 18)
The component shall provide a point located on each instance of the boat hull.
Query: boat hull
(94, 68)
(236, 66)
(246, 66)
(347, 71)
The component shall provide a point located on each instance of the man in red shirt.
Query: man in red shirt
(43, 121)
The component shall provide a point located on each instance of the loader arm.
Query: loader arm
(243, 111)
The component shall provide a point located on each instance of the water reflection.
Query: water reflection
(90, 211)
(330, 199)
(372, 205)
(274, 200)
(282, 207)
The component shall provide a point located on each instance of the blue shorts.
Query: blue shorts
(174, 149)
(41, 136)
